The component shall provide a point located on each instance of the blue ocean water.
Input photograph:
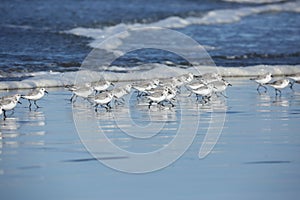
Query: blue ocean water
(34, 34)
(45, 43)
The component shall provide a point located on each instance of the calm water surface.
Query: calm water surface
(257, 155)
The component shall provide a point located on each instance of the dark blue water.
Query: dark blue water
(270, 38)
(32, 33)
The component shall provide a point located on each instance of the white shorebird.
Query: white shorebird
(35, 95)
(154, 90)
(158, 97)
(81, 91)
(211, 77)
(15, 96)
(142, 88)
(195, 85)
(295, 79)
(279, 84)
(103, 99)
(177, 82)
(101, 85)
(220, 87)
(262, 80)
(119, 93)
(171, 94)
(9, 104)
(186, 78)
(204, 91)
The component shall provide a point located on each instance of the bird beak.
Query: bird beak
(229, 84)
(112, 84)
(19, 102)
(46, 92)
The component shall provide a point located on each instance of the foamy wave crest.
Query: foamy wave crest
(144, 72)
(221, 16)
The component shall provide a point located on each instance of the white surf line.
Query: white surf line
(221, 16)
(68, 78)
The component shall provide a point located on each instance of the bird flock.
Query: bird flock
(265, 80)
(9, 102)
(162, 92)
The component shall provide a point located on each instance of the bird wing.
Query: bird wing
(33, 92)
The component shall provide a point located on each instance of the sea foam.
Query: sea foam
(50, 79)
(221, 16)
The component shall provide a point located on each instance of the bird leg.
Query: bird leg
(36, 104)
(29, 103)
(258, 88)
(292, 84)
(208, 98)
(266, 89)
(71, 99)
(161, 104)
(108, 105)
(96, 108)
(260, 85)
(204, 99)
(4, 114)
(276, 92)
(223, 95)
(172, 104)
(150, 104)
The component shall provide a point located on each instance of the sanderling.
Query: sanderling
(204, 91)
(195, 85)
(15, 96)
(118, 93)
(144, 87)
(101, 85)
(103, 99)
(220, 87)
(171, 94)
(262, 80)
(160, 87)
(8, 104)
(186, 78)
(211, 77)
(81, 91)
(294, 78)
(279, 84)
(177, 82)
(35, 95)
(157, 97)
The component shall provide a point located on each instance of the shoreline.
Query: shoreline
(57, 80)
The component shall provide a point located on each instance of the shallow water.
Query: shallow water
(256, 156)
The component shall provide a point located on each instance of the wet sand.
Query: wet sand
(256, 156)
